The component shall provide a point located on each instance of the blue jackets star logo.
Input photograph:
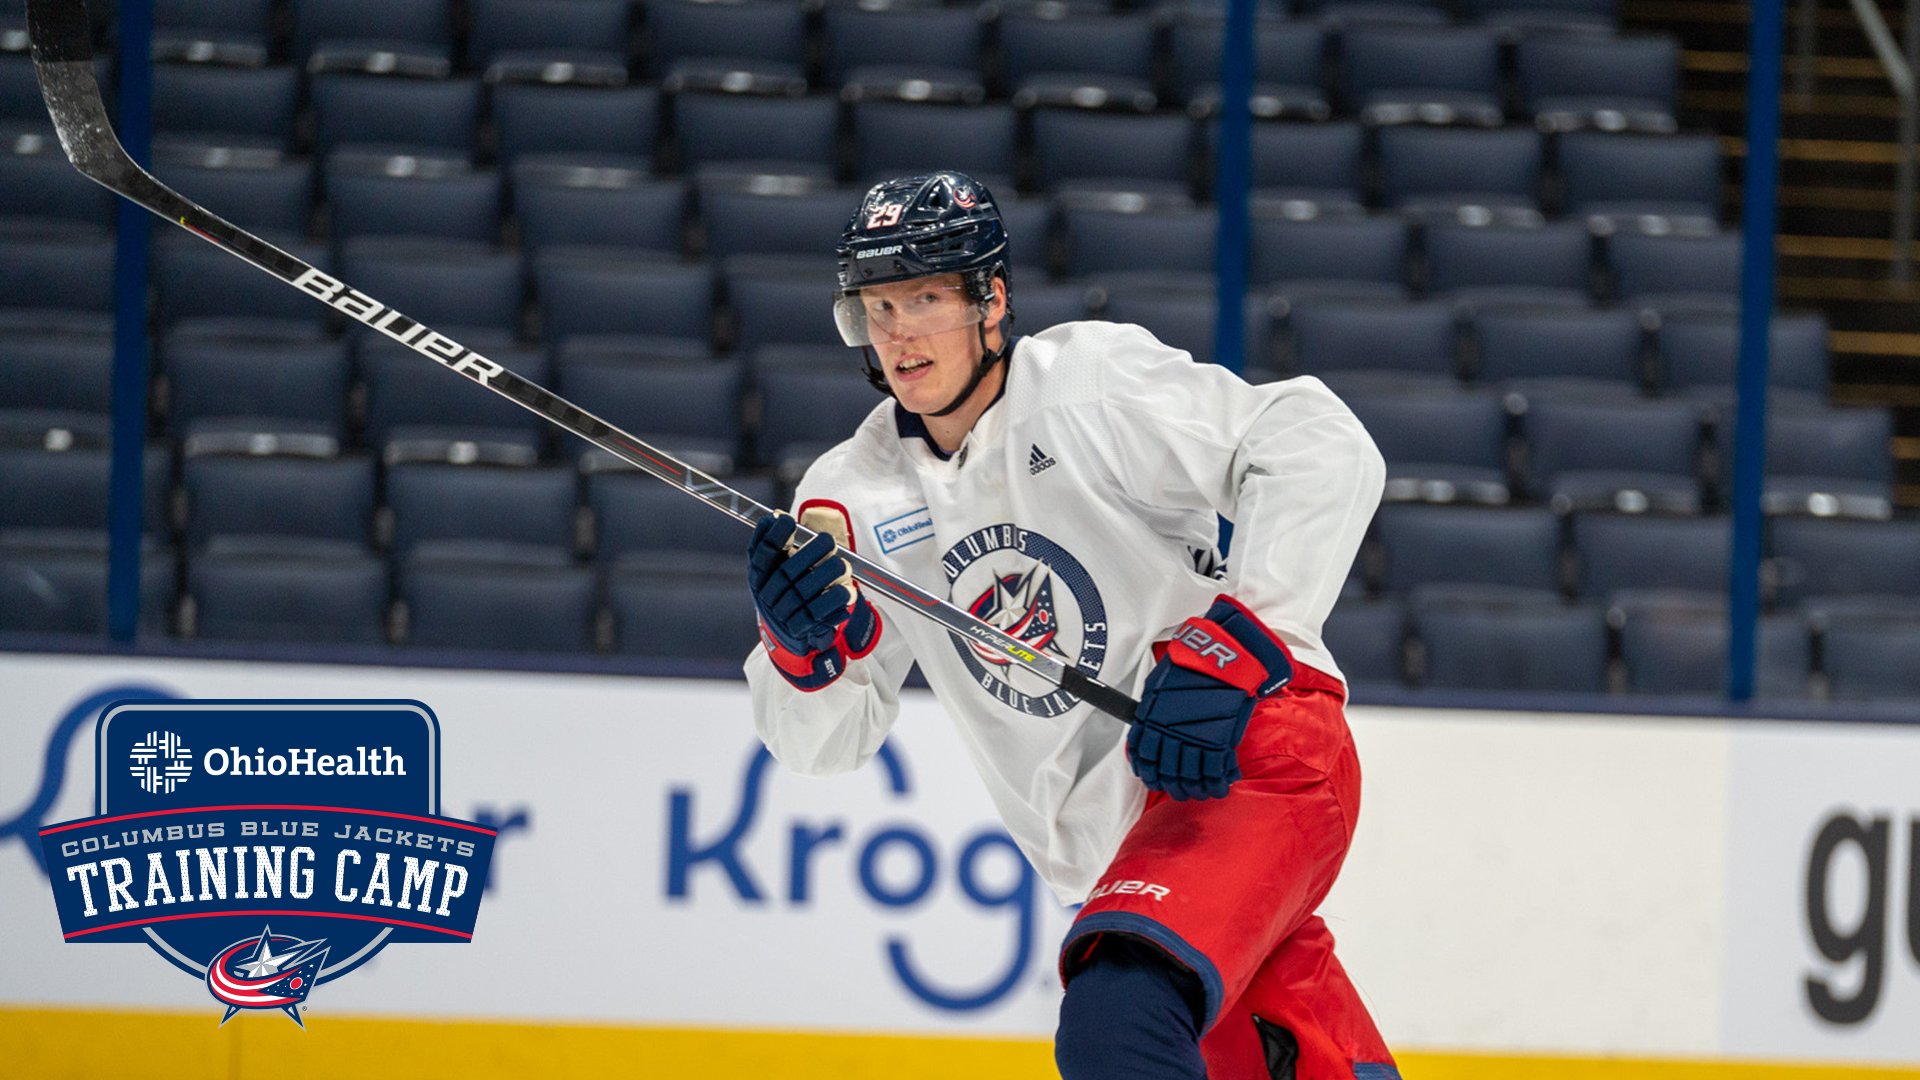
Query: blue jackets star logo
(271, 971)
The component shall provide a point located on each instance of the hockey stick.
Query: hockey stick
(63, 59)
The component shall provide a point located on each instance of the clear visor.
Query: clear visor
(903, 311)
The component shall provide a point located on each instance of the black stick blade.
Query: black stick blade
(59, 31)
(62, 41)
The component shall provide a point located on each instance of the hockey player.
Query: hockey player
(1064, 487)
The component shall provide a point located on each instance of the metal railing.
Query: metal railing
(1899, 66)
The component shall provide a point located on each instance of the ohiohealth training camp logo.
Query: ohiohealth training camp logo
(267, 847)
(1033, 589)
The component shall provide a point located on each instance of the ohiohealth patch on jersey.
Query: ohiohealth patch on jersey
(1024, 584)
(903, 529)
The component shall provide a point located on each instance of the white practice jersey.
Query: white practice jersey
(1080, 516)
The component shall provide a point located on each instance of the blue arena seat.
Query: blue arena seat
(278, 592)
(1345, 255)
(1501, 645)
(264, 195)
(382, 195)
(698, 45)
(576, 124)
(1038, 305)
(56, 282)
(410, 396)
(594, 31)
(1668, 648)
(1690, 271)
(1368, 639)
(582, 293)
(216, 105)
(1816, 559)
(63, 589)
(1102, 240)
(40, 187)
(1701, 352)
(72, 372)
(1030, 233)
(442, 283)
(1079, 148)
(1550, 346)
(1352, 335)
(778, 300)
(875, 47)
(225, 376)
(244, 21)
(424, 24)
(905, 138)
(1619, 552)
(805, 411)
(636, 514)
(1482, 264)
(1469, 545)
(395, 114)
(1287, 59)
(1321, 163)
(1627, 176)
(1613, 451)
(197, 284)
(508, 602)
(751, 133)
(1441, 445)
(1186, 318)
(742, 220)
(1573, 81)
(670, 402)
(1822, 460)
(66, 490)
(1341, 14)
(431, 501)
(1443, 168)
(1871, 656)
(1404, 74)
(1055, 54)
(681, 609)
(318, 498)
(1596, 16)
(560, 207)
(563, 208)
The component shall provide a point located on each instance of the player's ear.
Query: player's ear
(997, 307)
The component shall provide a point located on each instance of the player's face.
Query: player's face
(926, 335)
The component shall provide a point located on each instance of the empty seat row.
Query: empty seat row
(250, 591)
(1533, 553)
(1650, 645)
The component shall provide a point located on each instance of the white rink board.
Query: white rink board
(1575, 884)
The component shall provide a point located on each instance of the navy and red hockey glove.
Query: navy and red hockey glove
(812, 619)
(1198, 699)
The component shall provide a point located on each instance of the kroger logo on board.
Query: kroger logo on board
(895, 866)
(266, 873)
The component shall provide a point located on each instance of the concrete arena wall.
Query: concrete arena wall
(1607, 896)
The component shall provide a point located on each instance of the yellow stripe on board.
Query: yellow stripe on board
(72, 1044)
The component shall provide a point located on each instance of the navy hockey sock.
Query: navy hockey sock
(1130, 1014)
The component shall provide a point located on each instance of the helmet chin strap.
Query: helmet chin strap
(988, 358)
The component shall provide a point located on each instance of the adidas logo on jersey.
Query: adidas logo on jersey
(1038, 461)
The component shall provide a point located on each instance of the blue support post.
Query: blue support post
(1233, 168)
(125, 517)
(1757, 210)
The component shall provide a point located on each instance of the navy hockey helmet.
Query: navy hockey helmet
(919, 226)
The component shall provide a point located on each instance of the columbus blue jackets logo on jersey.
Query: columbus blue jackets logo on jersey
(266, 847)
(1025, 585)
